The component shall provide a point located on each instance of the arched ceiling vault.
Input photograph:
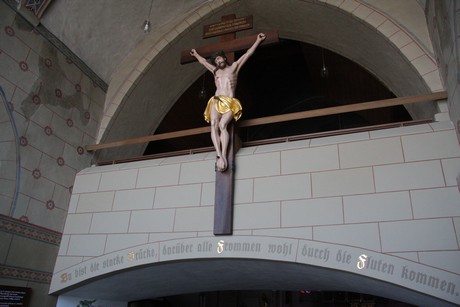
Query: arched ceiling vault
(355, 29)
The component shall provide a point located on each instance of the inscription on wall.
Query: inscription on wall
(383, 267)
(229, 26)
(114, 262)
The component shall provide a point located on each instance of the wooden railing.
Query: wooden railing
(270, 141)
(280, 118)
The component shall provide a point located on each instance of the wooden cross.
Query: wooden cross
(227, 28)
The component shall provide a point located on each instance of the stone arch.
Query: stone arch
(255, 263)
(155, 79)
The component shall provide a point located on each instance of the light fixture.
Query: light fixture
(324, 72)
(147, 25)
(202, 94)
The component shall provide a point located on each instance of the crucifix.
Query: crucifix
(223, 109)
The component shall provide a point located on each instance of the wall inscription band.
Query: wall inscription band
(384, 267)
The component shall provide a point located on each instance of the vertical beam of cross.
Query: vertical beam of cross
(223, 201)
(223, 205)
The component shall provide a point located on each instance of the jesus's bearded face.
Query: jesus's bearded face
(220, 62)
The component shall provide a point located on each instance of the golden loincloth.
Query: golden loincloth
(223, 104)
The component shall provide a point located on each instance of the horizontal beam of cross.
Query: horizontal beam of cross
(229, 46)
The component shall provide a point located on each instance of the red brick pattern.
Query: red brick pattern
(25, 274)
(23, 229)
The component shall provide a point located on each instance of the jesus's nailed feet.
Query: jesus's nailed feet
(221, 164)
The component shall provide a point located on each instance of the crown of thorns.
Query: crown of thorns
(216, 54)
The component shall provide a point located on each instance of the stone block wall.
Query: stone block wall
(390, 193)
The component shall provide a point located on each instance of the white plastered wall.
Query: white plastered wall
(389, 194)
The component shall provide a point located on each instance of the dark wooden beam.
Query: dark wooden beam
(223, 198)
(277, 140)
(280, 118)
(376, 104)
(149, 138)
(229, 46)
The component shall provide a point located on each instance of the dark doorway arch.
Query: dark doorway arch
(280, 79)
(196, 276)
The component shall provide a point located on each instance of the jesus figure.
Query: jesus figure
(223, 106)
